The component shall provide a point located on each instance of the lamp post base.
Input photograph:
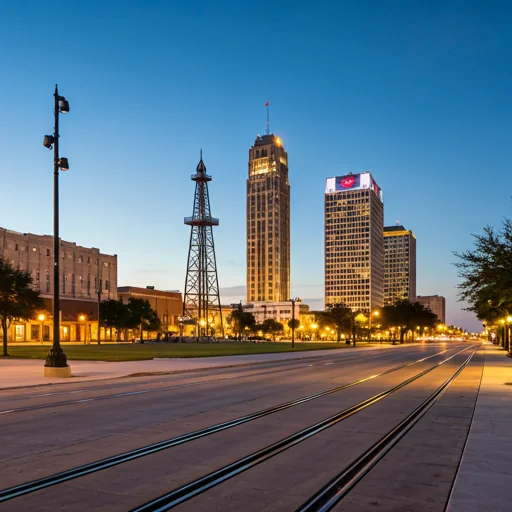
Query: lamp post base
(56, 364)
(57, 372)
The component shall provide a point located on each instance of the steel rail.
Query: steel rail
(79, 471)
(333, 492)
(183, 493)
(298, 365)
(143, 391)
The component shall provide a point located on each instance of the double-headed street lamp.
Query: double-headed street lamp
(56, 364)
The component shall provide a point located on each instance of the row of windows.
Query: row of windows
(65, 279)
(80, 259)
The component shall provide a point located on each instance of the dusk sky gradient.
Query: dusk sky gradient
(417, 93)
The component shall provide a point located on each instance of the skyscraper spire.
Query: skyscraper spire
(268, 119)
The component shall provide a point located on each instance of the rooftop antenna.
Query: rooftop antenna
(268, 110)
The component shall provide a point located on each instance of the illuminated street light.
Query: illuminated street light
(56, 364)
(41, 318)
(374, 313)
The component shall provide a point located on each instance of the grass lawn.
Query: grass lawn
(138, 352)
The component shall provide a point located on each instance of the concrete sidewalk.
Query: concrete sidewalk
(29, 372)
(484, 479)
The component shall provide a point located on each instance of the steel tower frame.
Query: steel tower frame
(201, 282)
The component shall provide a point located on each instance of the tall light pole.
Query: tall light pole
(293, 301)
(56, 364)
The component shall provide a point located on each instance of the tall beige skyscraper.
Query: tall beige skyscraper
(268, 221)
(354, 242)
(399, 264)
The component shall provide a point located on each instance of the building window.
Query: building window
(15, 247)
(47, 281)
(47, 252)
(106, 285)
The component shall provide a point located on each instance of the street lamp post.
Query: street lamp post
(56, 364)
(293, 301)
(375, 313)
(99, 310)
(41, 318)
(509, 320)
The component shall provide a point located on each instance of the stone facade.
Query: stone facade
(85, 272)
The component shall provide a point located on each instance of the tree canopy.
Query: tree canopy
(137, 313)
(486, 273)
(271, 326)
(339, 315)
(241, 319)
(18, 297)
(407, 316)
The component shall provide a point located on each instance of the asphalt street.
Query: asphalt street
(47, 431)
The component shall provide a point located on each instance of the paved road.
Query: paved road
(46, 431)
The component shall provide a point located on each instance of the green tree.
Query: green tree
(18, 298)
(486, 273)
(407, 316)
(241, 319)
(140, 314)
(272, 327)
(293, 324)
(114, 315)
(341, 316)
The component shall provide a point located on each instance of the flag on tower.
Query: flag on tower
(267, 104)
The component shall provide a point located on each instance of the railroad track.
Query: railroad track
(294, 367)
(196, 487)
(80, 471)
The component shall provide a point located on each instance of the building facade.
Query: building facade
(354, 242)
(279, 311)
(86, 277)
(399, 264)
(436, 304)
(167, 304)
(268, 222)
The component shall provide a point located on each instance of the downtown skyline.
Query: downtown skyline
(427, 129)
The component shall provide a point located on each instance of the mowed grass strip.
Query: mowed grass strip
(137, 352)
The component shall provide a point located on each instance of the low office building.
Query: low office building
(87, 276)
(167, 304)
(436, 304)
(279, 311)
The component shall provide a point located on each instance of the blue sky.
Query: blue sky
(417, 94)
